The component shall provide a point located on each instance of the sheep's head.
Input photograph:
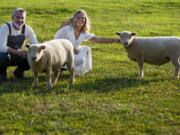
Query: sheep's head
(35, 52)
(126, 37)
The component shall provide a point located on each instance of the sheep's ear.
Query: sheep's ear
(27, 46)
(43, 47)
(133, 33)
(118, 33)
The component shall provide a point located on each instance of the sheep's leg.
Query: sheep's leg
(35, 79)
(72, 75)
(48, 78)
(176, 63)
(71, 70)
(140, 64)
(56, 75)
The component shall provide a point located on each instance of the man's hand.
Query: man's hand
(76, 51)
(22, 53)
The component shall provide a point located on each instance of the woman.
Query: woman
(76, 30)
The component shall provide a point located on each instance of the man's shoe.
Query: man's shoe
(3, 78)
(63, 69)
(19, 74)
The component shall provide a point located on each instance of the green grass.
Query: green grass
(110, 99)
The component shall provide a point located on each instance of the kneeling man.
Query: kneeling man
(12, 38)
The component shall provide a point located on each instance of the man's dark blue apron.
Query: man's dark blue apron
(15, 42)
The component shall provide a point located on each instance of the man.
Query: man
(12, 37)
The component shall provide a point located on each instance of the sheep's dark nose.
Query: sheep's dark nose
(33, 58)
(126, 43)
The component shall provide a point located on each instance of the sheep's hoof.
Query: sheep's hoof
(50, 86)
(35, 86)
(141, 75)
(72, 81)
(54, 82)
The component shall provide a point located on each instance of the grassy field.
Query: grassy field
(108, 100)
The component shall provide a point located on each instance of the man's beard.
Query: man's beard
(18, 25)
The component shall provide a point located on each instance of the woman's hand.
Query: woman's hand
(76, 51)
(116, 40)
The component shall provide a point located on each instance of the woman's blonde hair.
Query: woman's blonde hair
(71, 21)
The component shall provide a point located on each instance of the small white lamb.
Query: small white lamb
(50, 56)
(152, 50)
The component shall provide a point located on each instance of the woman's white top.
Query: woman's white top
(83, 60)
(67, 32)
(4, 32)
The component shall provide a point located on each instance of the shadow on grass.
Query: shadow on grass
(102, 85)
(112, 84)
(17, 85)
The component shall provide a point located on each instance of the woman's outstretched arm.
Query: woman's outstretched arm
(104, 40)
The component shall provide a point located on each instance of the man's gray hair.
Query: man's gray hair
(17, 10)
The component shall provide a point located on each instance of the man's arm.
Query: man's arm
(4, 32)
(31, 35)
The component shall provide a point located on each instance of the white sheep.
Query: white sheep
(152, 50)
(50, 56)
